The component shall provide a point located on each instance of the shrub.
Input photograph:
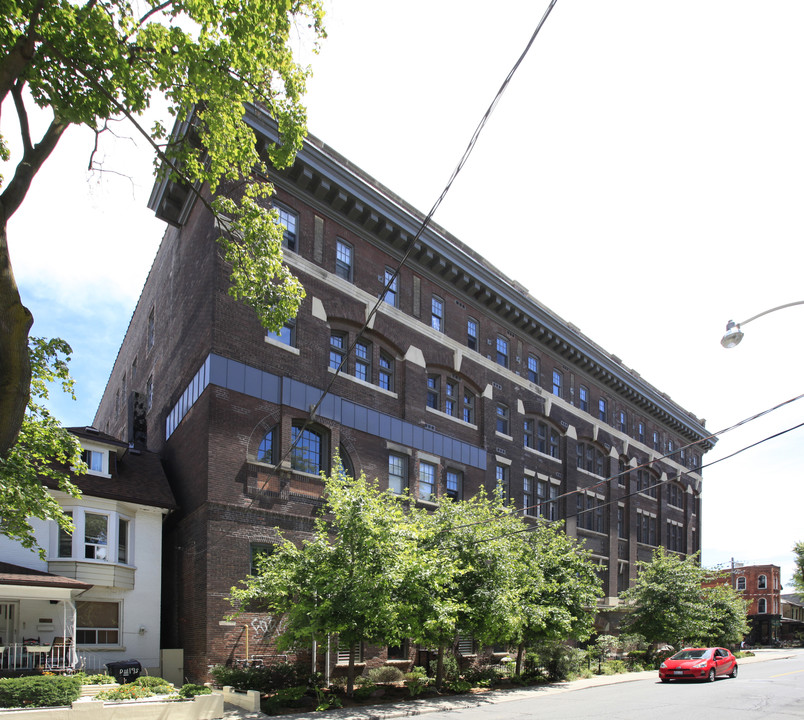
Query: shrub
(451, 670)
(44, 691)
(158, 685)
(482, 675)
(284, 698)
(364, 692)
(97, 679)
(459, 686)
(265, 679)
(385, 674)
(129, 691)
(326, 699)
(416, 681)
(190, 690)
(614, 667)
(559, 660)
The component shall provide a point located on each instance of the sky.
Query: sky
(642, 175)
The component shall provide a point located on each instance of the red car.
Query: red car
(698, 664)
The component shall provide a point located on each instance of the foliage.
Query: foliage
(44, 451)
(326, 699)
(606, 645)
(266, 679)
(39, 691)
(798, 573)
(365, 691)
(93, 62)
(557, 659)
(459, 686)
(385, 674)
(190, 690)
(129, 691)
(97, 679)
(669, 604)
(416, 681)
(154, 682)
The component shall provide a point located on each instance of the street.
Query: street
(771, 690)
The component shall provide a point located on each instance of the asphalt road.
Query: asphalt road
(770, 690)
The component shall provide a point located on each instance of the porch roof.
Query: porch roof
(21, 582)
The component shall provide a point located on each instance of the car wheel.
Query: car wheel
(711, 676)
(733, 673)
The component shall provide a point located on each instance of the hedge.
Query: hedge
(39, 691)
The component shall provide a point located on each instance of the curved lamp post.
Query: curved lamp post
(734, 334)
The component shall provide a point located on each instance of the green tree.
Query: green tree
(43, 453)
(98, 60)
(798, 572)
(346, 579)
(728, 622)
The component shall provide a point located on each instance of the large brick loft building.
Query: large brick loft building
(461, 380)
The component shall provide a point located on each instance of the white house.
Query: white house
(97, 597)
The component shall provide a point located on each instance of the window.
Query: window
(97, 623)
(285, 335)
(602, 410)
(386, 374)
(622, 525)
(134, 369)
(343, 653)
(363, 361)
(675, 537)
(590, 513)
(622, 421)
(96, 536)
(259, 551)
(546, 494)
(399, 652)
(150, 336)
(528, 433)
(548, 441)
(122, 541)
(646, 529)
(392, 283)
(589, 458)
(670, 447)
(647, 483)
(471, 334)
(762, 582)
(762, 606)
(343, 260)
(624, 472)
(437, 314)
(289, 220)
(533, 369)
(502, 419)
(307, 454)
(558, 382)
(641, 431)
(528, 505)
(451, 401)
(656, 443)
(583, 398)
(433, 392)
(65, 539)
(502, 352)
(265, 452)
(397, 473)
(427, 478)
(675, 496)
(501, 477)
(741, 583)
(337, 347)
(454, 484)
(149, 393)
(468, 407)
(94, 460)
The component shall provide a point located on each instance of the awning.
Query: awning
(21, 583)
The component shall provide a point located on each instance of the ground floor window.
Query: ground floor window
(98, 623)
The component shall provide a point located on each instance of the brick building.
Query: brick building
(461, 379)
(761, 586)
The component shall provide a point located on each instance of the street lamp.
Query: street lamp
(734, 334)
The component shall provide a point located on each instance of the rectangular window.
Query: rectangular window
(583, 398)
(675, 496)
(386, 374)
(97, 623)
(656, 442)
(362, 361)
(150, 336)
(548, 440)
(434, 392)
(289, 220)
(468, 407)
(471, 334)
(427, 478)
(399, 652)
(527, 497)
(259, 551)
(451, 401)
(501, 476)
(528, 433)
(502, 419)
(622, 527)
(343, 260)
(66, 539)
(641, 431)
(285, 335)
(602, 410)
(454, 484)
(437, 315)
(502, 352)
(558, 382)
(94, 460)
(122, 541)
(591, 516)
(96, 536)
(546, 494)
(343, 653)
(646, 529)
(307, 452)
(622, 422)
(337, 345)
(397, 473)
(533, 369)
(675, 537)
(391, 293)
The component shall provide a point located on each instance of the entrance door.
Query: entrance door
(9, 612)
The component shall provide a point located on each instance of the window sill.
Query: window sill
(450, 417)
(584, 471)
(372, 386)
(543, 455)
(282, 346)
(503, 436)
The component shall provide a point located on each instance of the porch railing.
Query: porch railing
(53, 657)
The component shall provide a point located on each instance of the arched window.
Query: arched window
(762, 582)
(590, 458)
(623, 471)
(741, 583)
(762, 605)
(265, 452)
(309, 450)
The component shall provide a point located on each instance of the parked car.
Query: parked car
(698, 664)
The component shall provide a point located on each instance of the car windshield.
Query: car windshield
(697, 654)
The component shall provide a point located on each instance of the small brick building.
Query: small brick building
(461, 379)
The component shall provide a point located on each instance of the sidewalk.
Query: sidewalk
(457, 702)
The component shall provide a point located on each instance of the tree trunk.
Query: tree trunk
(15, 363)
(440, 668)
(520, 651)
(350, 675)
